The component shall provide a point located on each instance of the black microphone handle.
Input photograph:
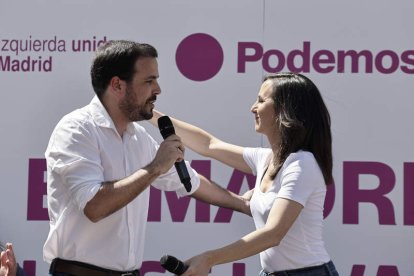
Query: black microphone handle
(167, 128)
(183, 174)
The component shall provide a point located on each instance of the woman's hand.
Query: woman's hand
(247, 196)
(198, 265)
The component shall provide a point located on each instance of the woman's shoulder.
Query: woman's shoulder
(257, 153)
(303, 165)
(259, 150)
(256, 158)
(302, 155)
(303, 158)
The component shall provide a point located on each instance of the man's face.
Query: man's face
(141, 91)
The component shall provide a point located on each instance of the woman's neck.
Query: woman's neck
(274, 142)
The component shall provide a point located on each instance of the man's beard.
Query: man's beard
(133, 111)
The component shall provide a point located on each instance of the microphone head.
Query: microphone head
(173, 265)
(166, 127)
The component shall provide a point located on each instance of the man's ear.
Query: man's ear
(117, 86)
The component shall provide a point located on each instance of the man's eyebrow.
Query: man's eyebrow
(152, 77)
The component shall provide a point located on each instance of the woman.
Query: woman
(288, 198)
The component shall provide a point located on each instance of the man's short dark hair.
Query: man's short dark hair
(117, 58)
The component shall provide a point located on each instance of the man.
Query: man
(100, 163)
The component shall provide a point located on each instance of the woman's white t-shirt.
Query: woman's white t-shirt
(300, 179)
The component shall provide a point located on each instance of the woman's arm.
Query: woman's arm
(212, 193)
(281, 217)
(206, 144)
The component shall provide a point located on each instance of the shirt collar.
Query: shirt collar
(102, 118)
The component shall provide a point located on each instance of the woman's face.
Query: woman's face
(264, 111)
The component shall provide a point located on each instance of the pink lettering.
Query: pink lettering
(302, 54)
(358, 270)
(323, 57)
(29, 267)
(354, 60)
(280, 58)
(329, 200)
(239, 269)
(154, 210)
(236, 181)
(407, 57)
(353, 195)
(178, 206)
(383, 270)
(151, 266)
(408, 193)
(37, 190)
(379, 62)
(243, 57)
(325, 61)
(387, 270)
(203, 167)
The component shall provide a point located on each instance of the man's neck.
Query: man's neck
(116, 115)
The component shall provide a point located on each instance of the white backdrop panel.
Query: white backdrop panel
(371, 112)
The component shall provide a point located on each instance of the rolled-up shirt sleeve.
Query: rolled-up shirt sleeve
(74, 157)
(170, 181)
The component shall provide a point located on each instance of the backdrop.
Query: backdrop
(212, 58)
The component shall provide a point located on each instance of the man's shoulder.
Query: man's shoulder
(78, 117)
(78, 113)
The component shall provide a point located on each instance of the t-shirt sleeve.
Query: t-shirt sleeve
(251, 156)
(300, 176)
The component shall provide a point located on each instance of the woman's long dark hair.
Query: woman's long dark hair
(303, 119)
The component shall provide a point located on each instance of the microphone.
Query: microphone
(166, 128)
(173, 265)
